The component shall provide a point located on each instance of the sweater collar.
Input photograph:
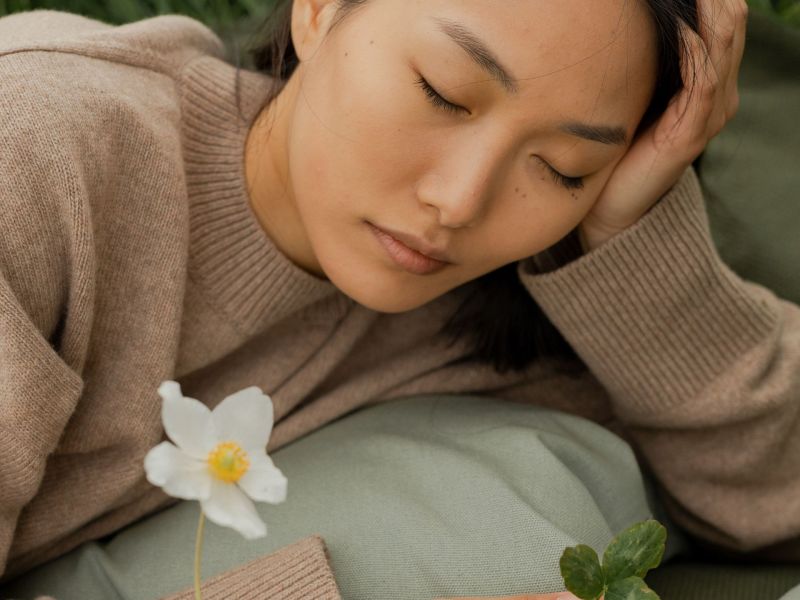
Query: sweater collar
(231, 256)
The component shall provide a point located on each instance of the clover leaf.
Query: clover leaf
(635, 551)
(627, 559)
(630, 588)
(582, 571)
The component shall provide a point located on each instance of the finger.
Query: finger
(717, 28)
(737, 53)
(723, 28)
(683, 126)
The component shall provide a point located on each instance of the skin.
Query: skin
(352, 137)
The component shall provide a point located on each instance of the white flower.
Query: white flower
(220, 458)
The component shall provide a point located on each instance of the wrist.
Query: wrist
(590, 240)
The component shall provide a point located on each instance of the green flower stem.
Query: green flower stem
(198, 550)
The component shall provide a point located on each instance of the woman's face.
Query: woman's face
(356, 139)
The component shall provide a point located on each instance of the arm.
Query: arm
(38, 393)
(48, 278)
(45, 304)
(703, 369)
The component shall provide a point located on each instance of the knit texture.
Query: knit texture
(130, 254)
(295, 571)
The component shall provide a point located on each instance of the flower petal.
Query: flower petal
(244, 417)
(263, 481)
(187, 421)
(228, 506)
(178, 474)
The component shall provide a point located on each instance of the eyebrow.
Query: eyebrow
(480, 54)
(605, 134)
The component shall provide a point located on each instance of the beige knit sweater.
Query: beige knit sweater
(129, 254)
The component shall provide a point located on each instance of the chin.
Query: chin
(385, 292)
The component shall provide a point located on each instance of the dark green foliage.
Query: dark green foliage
(223, 13)
(215, 13)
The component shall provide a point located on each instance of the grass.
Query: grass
(223, 14)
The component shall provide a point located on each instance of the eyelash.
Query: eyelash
(436, 99)
(570, 183)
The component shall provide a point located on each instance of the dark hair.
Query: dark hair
(506, 326)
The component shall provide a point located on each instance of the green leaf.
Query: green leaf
(635, 551)
(582, 572)
(630, 588)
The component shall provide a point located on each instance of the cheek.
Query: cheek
(347, 151)
(532, 215)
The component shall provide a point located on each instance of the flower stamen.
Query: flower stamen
(228, 462)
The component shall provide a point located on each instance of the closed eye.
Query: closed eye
(437, 100)
(570, 183)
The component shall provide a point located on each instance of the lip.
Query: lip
(404, 255)
(417, 244)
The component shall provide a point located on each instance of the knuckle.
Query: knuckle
(729, 38)
(696, 146)
(716, 125)
(720, 125)
(733, 105)
(726, 34)
(744, 10)
(708, 93)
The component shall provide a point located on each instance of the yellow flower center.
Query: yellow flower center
(228, 462)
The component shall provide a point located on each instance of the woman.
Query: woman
(170, 218)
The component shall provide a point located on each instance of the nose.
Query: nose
(460, 189)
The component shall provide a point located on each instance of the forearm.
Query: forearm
(703, 368)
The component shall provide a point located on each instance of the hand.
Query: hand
(551, 596)
(661, 153)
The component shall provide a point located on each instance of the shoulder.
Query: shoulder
(71, 117)
(77, 91)
(90, 126)
(163, 43)
(75, 85)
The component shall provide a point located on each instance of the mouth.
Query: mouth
(405, 256)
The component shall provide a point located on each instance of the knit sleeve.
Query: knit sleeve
(38, 393)
(702, 367)
(46, 299)
(295, 572)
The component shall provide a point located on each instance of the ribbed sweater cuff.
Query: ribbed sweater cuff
(654, 312)
(295, 572)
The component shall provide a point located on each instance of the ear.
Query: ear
(310, 22)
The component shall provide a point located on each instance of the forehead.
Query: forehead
(588, 58)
